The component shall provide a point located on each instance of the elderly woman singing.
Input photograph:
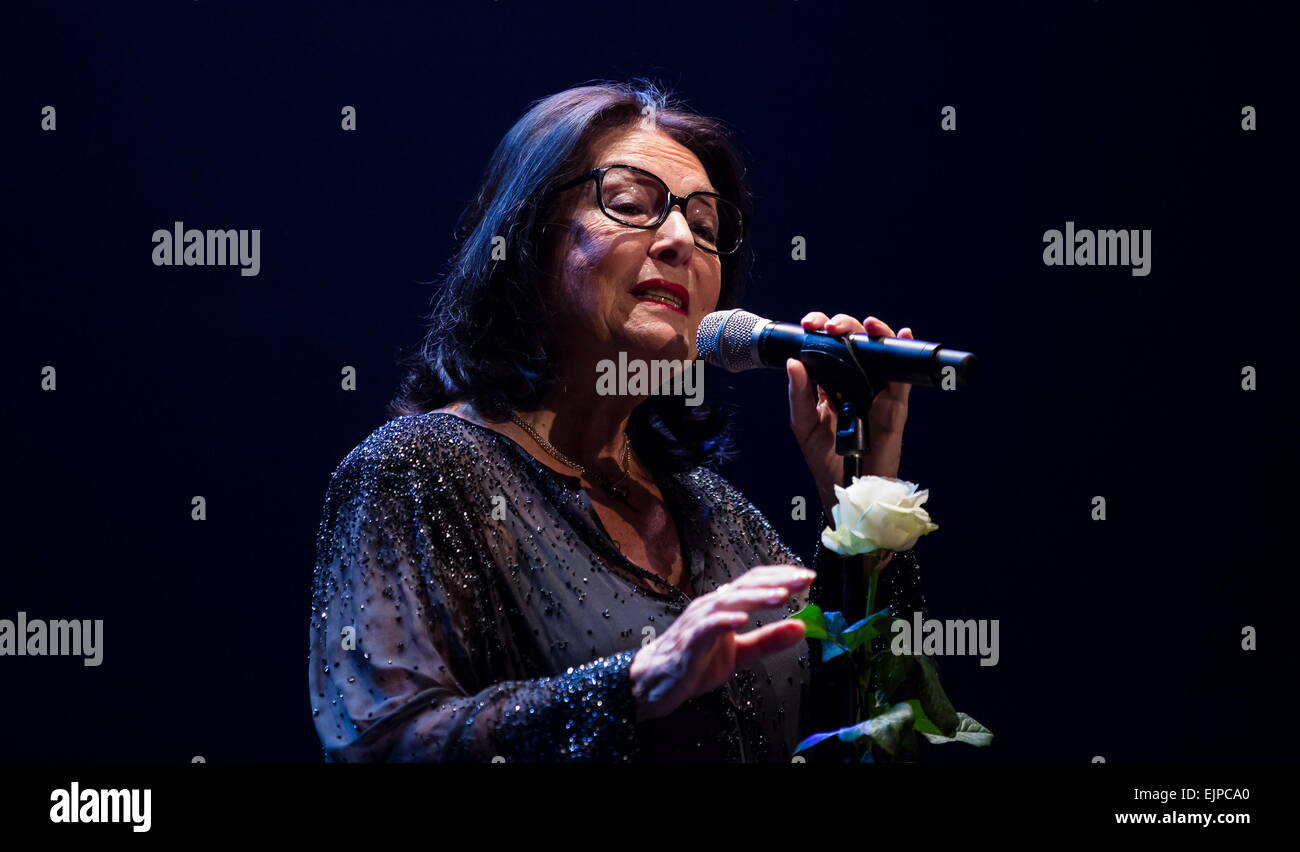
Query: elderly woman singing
(520, 567)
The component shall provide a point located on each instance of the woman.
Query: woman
(519, 568)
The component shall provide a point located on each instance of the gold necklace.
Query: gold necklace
(611, 486)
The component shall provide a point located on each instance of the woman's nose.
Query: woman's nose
(674, 241)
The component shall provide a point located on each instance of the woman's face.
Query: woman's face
(601, 265)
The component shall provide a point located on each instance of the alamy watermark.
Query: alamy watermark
(932, 637)
(637, 377)
(90, 805)
(192, 247)
(60, 638)
(1100, 248)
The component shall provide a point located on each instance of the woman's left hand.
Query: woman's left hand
(812, 413)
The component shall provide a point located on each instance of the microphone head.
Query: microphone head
(729, 339)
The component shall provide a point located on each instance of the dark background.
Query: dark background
(1118, 638)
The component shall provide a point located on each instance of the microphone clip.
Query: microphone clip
(832, 366)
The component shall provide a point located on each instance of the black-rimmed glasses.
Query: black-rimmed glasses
(639, 199)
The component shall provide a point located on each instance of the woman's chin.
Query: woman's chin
(656, 340)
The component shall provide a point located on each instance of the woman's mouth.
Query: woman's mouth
(660, 292)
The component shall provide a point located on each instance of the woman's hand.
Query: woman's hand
(812, 413)
(701, 650)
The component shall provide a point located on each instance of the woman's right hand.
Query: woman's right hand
(701, 650)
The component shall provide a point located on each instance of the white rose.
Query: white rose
(877, 513)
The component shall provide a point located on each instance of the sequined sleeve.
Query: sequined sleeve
(396, 668)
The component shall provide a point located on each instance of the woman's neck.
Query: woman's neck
(586, 427)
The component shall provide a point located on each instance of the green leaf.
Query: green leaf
(888, 729)
(814, 621)
(891, 672)
(811, 741)
(933, 699)
(864, 631)
(830, 627)
(923, 723)
(854, 638)
(968, 731)
(832, 649)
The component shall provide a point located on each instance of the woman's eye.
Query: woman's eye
(626, 207)
(705, 231)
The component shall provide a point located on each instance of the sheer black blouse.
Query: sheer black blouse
(468, 605)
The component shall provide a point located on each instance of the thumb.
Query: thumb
(803, 398)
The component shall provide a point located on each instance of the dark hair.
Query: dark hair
(488, 339)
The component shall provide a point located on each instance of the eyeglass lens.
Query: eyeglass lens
(634, 198)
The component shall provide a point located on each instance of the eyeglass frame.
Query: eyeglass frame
(598, 174)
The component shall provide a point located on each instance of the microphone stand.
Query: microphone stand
(851, 443)
(838, 372)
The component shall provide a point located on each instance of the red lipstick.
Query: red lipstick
(671, 288)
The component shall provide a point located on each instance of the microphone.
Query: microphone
(737, 340)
